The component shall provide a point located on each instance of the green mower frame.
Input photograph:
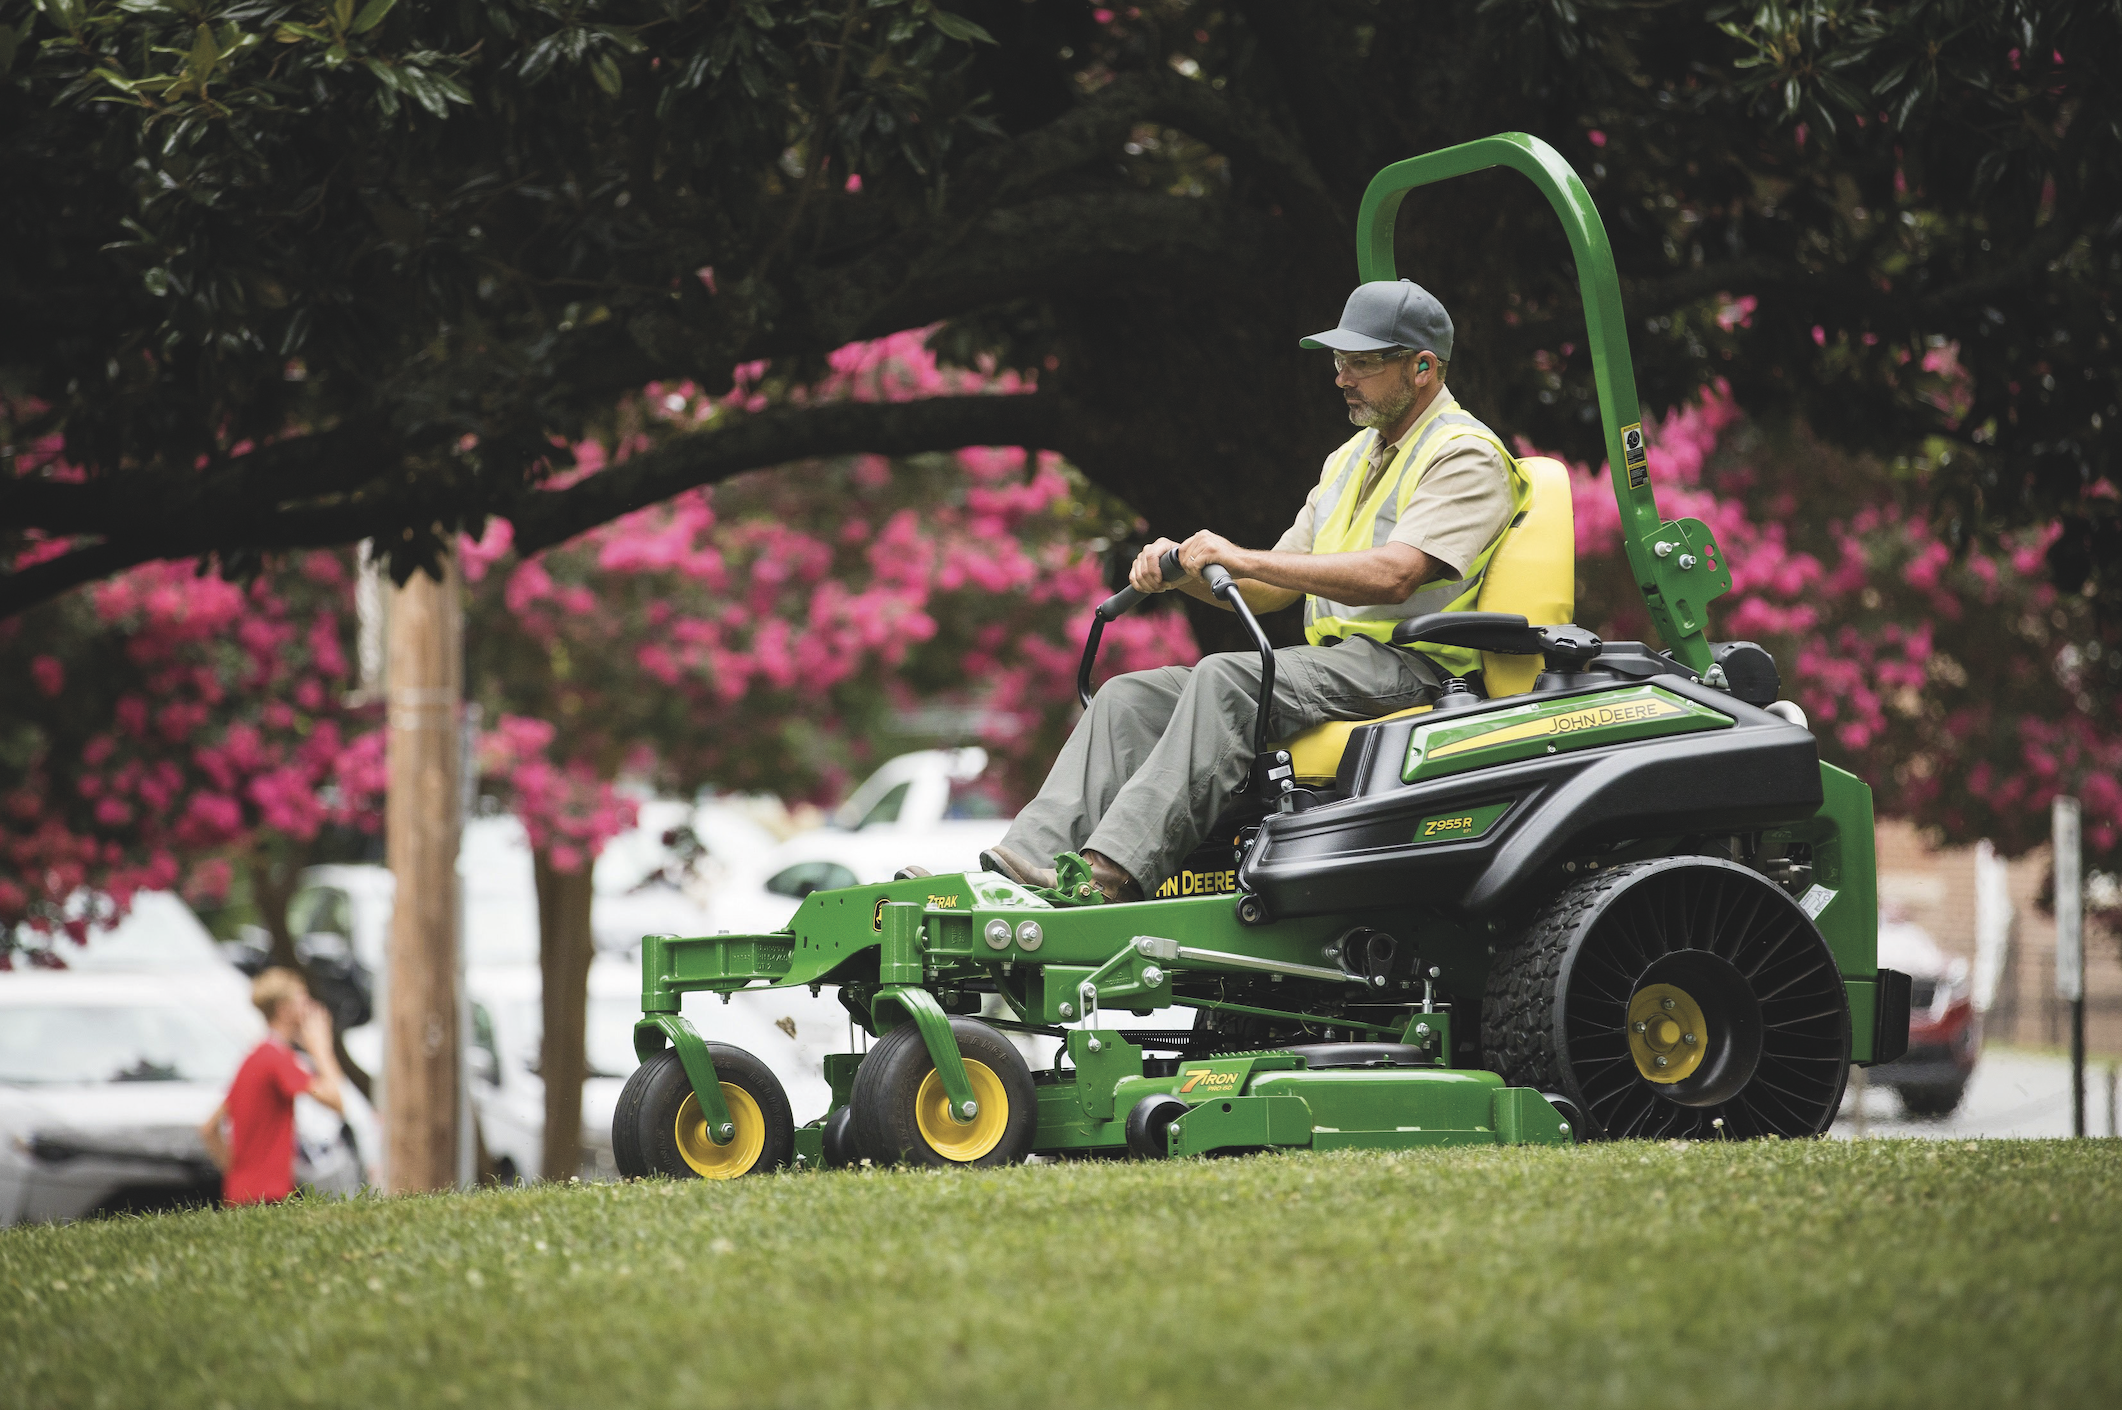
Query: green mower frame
(1631, 902)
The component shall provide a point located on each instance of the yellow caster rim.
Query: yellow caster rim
(1667, 1034)
(962, 1141)
(713, 1162)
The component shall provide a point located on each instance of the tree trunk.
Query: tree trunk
(272, 887)
(565, 948)
(421, 1052)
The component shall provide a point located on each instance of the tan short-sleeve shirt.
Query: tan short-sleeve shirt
(1463, 501)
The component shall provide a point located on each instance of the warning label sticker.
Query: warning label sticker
(1635, 455)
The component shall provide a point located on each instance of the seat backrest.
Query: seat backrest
(1534, 572)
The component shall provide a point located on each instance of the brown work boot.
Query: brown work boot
(1112, 879)
(1003, 862)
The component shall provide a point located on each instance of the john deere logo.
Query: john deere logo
(1569, 722)
(1208, 1080)
(1199, 883)
(876, 917)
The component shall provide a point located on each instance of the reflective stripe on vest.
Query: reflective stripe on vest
(1345, 527)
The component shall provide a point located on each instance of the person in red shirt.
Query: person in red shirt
(256, 1152)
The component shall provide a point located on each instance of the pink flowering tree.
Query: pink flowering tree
(1959, 683)
(166, 729)
(777, 632)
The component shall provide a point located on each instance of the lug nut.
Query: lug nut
(1687, 1037)
(1658, 1061)
(1666, 1004)
(1639, 1026)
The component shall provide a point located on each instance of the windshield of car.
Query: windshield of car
(805, 877)
(111, 1043)
(887, 808)
(973, 798)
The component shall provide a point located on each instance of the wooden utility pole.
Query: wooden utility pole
(426, 675)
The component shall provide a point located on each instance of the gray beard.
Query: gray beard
(1383, 412)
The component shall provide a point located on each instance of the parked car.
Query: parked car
(926, 809)
(1944, 1031)
(105, 1078)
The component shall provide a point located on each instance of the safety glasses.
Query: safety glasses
(1369, 364)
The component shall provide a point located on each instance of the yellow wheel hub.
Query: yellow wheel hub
(1666, 1033)
(699, 1150)
(963, 1141)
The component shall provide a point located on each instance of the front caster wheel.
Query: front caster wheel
(837, 1142)
(659, 1126)
(1149, 1126)
(901, 1112)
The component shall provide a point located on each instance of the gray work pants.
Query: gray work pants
(1160, 754)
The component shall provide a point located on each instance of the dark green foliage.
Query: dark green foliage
(469, 228)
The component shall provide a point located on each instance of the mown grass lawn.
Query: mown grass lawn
(1876, 1273)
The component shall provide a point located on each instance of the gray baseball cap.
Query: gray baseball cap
(1389, 313)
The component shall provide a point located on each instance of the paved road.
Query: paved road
(2013, 1094)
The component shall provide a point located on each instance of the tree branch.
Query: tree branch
(24, 589)
(543, 518)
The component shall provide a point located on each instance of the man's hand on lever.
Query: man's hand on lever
(1147, 573)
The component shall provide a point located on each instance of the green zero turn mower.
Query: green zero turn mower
(1599, 891)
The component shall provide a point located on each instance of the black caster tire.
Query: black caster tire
(837, 1141)
(659, 1129)
(1149, 1125)
(1932, 1103)
(1571, 1113)
(901, 1113)
(1681, 998)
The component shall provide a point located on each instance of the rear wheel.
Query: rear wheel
(659, 1124)
(1666, 997)
(901, 1112)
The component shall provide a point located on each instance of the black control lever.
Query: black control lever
(1115, 606)
(1273, 777)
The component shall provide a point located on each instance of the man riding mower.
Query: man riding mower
(1453, 872)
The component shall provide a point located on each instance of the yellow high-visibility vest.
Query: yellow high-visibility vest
(1344, 524)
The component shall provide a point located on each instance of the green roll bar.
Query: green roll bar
(1677, 565)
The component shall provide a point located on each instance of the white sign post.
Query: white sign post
(2070, 944)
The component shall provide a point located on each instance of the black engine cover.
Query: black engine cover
(1361, 852)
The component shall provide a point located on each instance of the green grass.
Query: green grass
(1876, 1273)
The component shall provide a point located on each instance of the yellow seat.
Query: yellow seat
(1533, 574)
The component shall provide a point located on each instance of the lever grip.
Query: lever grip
(1217, 579)
(1123, 601)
